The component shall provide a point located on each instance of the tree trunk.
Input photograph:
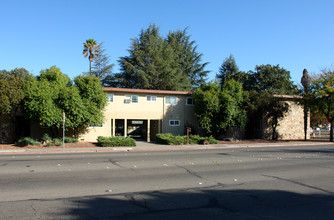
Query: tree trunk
(331, 131)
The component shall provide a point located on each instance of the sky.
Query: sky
(295, 34)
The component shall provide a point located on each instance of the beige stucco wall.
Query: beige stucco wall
(144, 110)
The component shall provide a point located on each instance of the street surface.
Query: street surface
(291, 182)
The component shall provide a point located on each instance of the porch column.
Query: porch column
(113, 127)
(125, 127)
(148, 130)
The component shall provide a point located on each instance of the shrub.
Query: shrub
(46, 138)
(168, 138)
(28, 141)
(49, 144)
(70, 140)
(115, 141)
(57, 142)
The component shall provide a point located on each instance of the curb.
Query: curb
(167, 148)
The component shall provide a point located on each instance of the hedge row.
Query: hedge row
(168, 138)
(115, 141)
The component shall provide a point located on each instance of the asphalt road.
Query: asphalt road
(245, 183)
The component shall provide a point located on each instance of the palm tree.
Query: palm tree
(91, 48)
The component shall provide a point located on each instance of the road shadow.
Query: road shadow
(205, 204)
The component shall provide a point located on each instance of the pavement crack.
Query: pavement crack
(137, 203)
(34, 210)
(299, 183)
(115, 163)
(198, 176)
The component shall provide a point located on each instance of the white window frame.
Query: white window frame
(130, 97)
(110, 95)
(170, 98)
(192, 101)
(173, 123)
(151, 98)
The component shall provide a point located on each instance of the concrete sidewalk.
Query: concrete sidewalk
(144, 146)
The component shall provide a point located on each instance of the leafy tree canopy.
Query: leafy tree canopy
(322, 93)
(219, 109)
(272, 79)
(11, 90)
(155, 62)
(51, 93)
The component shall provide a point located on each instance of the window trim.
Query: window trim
(151, 96)
(174, 125)
(127, 97)
(170, 99)
(192, 101)
(108, 95)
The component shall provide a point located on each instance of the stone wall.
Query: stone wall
(291, 127)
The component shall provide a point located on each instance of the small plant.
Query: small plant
(46, 138)
(57, 142)
(49, 144)
(28, 141)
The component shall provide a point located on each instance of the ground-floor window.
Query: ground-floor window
(174, 122)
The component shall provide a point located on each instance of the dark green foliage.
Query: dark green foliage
(170, 139)
(164, 64)
(229, 70)
(115, 141)
(49, 144)
(28, 141)
(46, 138)
(57, 142)
(219, 108)
(102, 68)
(265, 106)
(273, 80)
(322, 88)
(70, 140)
(51, 93)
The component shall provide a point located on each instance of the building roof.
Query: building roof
(146, 91)
(288, 96)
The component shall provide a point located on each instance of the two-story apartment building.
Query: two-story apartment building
(143, 113)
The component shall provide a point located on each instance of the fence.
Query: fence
(320, 134)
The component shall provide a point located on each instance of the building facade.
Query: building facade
(142, 113)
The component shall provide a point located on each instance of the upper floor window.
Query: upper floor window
(189, 101)
(174, 122)
(151, 98)
(171, 100)
(131, 99)
(110, 97)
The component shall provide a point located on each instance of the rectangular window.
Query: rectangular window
(150, 98)
(131, 99)
(134, 99)
(110, 98)
(171, 100)
(174, 122)
(189, 101)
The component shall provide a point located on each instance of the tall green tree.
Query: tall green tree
(90, 50)
(155, 62)
(218, 109)
(190, 61)
(228, 70)
(51, 93)
(102, 68)
(322, 92)
(305, 81)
